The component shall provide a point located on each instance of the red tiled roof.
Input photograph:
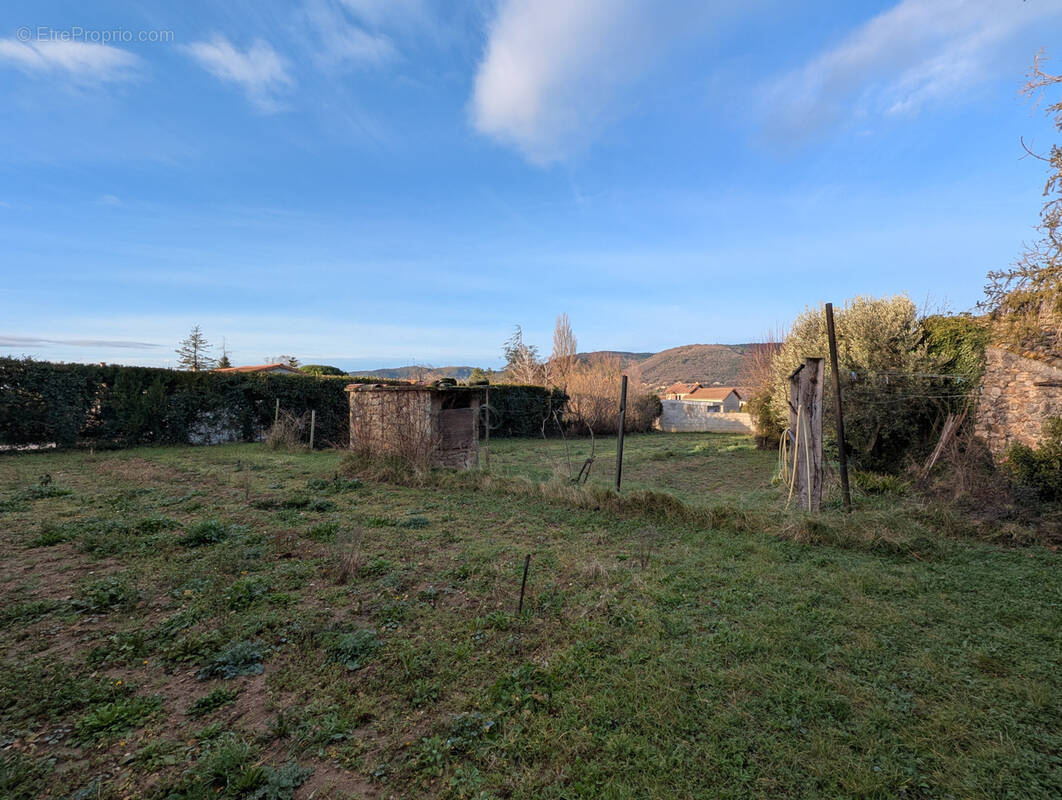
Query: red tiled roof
(681, 388)
(712, 393)
(258, 368)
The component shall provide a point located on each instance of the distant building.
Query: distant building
(678, 391)
(276, 369)
(725, 399)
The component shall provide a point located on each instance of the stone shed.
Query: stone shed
(431, 425)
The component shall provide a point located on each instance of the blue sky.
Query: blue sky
(372, 182)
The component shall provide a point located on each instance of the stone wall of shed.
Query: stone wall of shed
(1016, 399)
(392, 424)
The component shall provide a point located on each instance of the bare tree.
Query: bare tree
(565, 347)
(287, 361)
(521, 359)
(194, 352)
(1031, 289)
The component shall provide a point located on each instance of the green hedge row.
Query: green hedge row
(517, 410)
(114, 406)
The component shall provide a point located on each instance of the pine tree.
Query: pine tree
(194, 352)
(223, 362)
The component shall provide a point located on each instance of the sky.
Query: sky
(369, 183)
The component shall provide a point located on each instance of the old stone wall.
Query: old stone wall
(680, 416)
(1018, 395)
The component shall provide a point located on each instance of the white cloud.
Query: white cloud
(553, 70)
(259, 70)
(917, 53)
(84, 62)
(108, 200)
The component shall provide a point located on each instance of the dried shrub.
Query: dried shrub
(349, 558)
(593, 389)
(289, 432)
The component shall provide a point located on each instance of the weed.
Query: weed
(352, 650)
(120, 648)
(23, 777)
(238, 658)
(115, 592)
(879, 483)
(244, 593)
(212, 702)
(111, 720)
(205, 533)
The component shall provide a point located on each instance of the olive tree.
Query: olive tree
(892, 394)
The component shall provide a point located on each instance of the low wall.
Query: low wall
(679, 416)
(1018, 395)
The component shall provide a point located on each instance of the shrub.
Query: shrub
(893, 396)
(593, 389)
(1039, 468)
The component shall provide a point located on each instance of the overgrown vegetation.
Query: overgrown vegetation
(686, 637)
(1039, 468)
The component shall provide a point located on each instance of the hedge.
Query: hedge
(114, 406)
(518, 410)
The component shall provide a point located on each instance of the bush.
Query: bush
(593, 389)
(114, 406)
(893, 395)
(1039, 468)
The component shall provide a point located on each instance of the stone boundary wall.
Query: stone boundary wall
(1013, 408)
(680, 416)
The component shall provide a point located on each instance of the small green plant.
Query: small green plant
(238, 658)
(244, 593)
(112, 593)
(111, 720)
(1039, 468)
(352, 650)
(205, 533)
(879, 483)
(22, 777)
(212, 702)
(49, 537)
(120, 648)
(156, 524)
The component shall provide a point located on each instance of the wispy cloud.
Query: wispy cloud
(82, 62)
(259, 70)
(31, 341)
(918, 53)
(341, 40)
(108, 200)
(552, 70)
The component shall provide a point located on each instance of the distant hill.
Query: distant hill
(704, 363)
(626, 359)
(406, 373)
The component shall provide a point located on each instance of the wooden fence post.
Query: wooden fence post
(805, 423)
(622, 425)
(276, 412)
(842, 448)
(313, 425)
(486, 425)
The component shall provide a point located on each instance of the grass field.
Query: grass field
(241, 623)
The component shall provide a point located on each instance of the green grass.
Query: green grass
(354, 630)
